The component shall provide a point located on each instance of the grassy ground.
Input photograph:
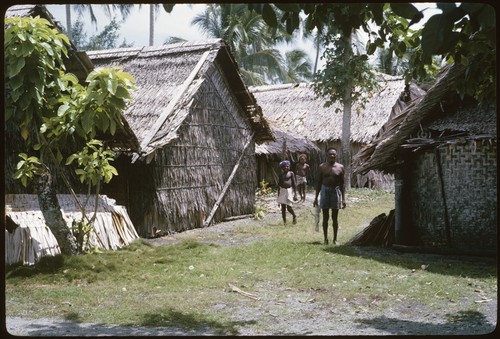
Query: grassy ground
(182, 283)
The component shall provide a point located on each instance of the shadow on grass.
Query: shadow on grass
(46, 265)
(191, 322)
(461, 323)
(452, 265)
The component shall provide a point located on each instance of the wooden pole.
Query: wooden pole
(226, 185)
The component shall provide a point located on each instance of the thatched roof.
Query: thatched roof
(430, 110)
(168, 78)
(296, 108)
(79, 64)
(294, 143)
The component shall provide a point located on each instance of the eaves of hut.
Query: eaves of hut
(297, 109)
(167, 78)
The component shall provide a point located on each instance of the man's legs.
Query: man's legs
(290, 209)
(325, 224)
(302, 192)
(335, 214)
(283, 212)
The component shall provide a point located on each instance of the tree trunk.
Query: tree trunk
(151, 24)
(49, 205)
(318, 47)
(68, 22)
(346, 120)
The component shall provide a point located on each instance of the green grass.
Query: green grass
(180, 284)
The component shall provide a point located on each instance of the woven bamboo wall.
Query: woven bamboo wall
(189, 174)
(470, 194)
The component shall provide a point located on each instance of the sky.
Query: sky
(135, 29)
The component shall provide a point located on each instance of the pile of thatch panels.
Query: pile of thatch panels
(380, 232)
(28, 238)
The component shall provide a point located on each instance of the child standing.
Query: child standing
(301, 172)
(287, 190)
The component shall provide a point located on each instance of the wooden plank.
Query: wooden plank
(228, 182)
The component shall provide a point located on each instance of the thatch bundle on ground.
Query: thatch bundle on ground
(28, 238)
(296, 109)
(197, 124)
(443, 151)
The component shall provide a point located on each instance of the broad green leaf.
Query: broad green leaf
(435, 34)
(406, 10)
(168, 7)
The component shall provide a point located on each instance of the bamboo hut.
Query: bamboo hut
(443, 151)
(285, 146)
(197, 124)
(296, 109)
(28, 238)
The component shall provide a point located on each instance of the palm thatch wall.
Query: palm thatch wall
(28, 238)
(296, 109)
(197, 125)
(443, 150)
(286, 146)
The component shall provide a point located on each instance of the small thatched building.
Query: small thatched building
(197, 124)
(286, 146)
(443, 151)
(296, 109)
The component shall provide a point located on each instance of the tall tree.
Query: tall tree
(106, 39)
(82, 9)
(462, 33)
(50, 109)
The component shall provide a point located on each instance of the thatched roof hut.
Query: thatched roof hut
(442, 150)
(296, 109)
(28, 238)
(197, 124)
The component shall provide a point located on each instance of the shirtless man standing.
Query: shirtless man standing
(331, 186)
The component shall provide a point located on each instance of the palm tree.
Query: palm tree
(251, 41)
(153, 15)
(298, 66)
(124, 9)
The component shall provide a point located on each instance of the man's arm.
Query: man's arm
(318, 185)
(342, 186)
